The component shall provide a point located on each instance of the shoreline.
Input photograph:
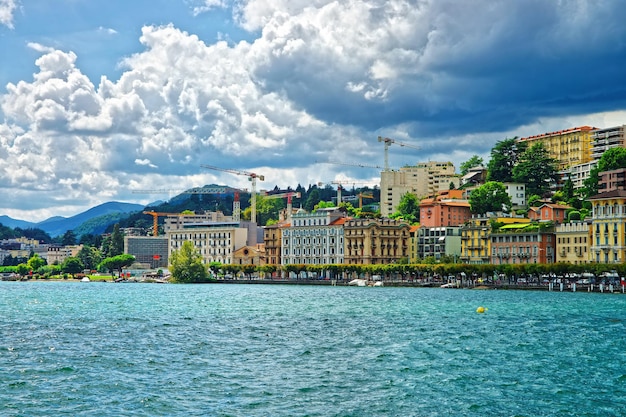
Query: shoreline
(589, 288)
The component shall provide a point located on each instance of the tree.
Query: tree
(117, 263)
(613, 158)
(490, 197)
(474, 161)
(89, 256)
(408, 208)
(312, 199)
(72, 265)
(537, 169)
(504, 156)
(117, 241)
(69, 238)
(186, 264)
(35, 262)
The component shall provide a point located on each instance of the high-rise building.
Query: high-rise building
(422, 180)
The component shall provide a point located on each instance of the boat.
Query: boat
(358, 283)
(85, 279)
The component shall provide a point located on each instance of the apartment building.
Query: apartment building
(272, 240)
(578, 173)
(608, 227)
(604, 139)
(612, 180)
(314, 238)
(376, 241)
(447, 208)
(437, 242)
(216, 242)
(569, 147)
(549, 212)
(476, 236)
(519, 243)
(572, 242)
(423, 179)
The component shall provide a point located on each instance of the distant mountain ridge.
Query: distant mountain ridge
(100, 216)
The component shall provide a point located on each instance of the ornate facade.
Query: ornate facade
(376, 241)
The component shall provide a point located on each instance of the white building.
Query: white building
(423, 179)
(215, 241)
(517, 192)
(314, 238)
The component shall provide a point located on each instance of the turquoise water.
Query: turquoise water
(103, 349)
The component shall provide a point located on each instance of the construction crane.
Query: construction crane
(288, 195)
(339, 184)
(388, 143)
(155, 215)
(252, 177)
(202, 190)
(332, 162)
(362, 196)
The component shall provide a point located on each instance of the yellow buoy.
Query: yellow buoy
(481, 309)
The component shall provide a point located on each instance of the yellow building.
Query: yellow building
(573, 241)
(272, 239)
(476, 237)
(376, 241)
(608, 239)
(569, 147)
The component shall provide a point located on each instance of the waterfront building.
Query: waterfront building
(376, 241)
(272, 240)
(413, 230)
(569, 147)
(549, 212)
(604, 139)
(254, 233)
(476, 236)
(475, 242)
(518, 243)
(57, 254)
(314, 238)
(423, 179)
(447, 208)
(572, 242)
(250, 255)
(216, 241)
(437, 242)
(608, 224)
(151, 251)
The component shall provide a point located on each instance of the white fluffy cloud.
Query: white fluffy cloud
(7, 9)
(321, 81)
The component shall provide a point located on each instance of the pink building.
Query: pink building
(448, 208)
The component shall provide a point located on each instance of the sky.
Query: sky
(101, 99)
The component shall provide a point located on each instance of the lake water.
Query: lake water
(104, 349)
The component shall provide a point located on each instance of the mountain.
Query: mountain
(99, 217)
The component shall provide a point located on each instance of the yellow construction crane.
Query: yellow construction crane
(339, 184)
(252, 177)
(202, 190)
(155, 215)
(388, 142)
(362, 196)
